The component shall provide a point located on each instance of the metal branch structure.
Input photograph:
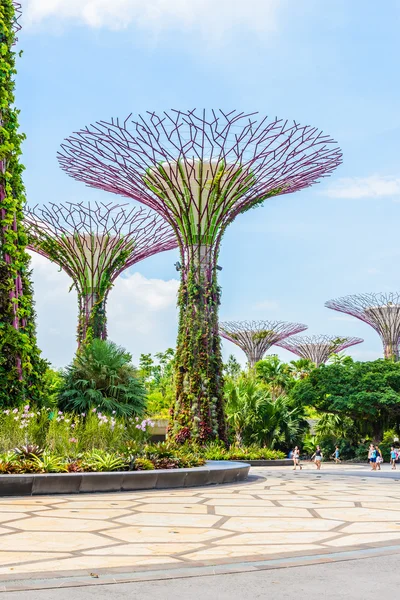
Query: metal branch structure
(18, 14)
(318, 348)
(256, 337)
(93, 245)
(199, 170)
(381, 311)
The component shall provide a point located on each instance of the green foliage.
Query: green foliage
(232, 367)
(219, 452)
(102, 376)
(158, 377)
(255, 417)
(21, 368)
(368, 393)
(275, 374)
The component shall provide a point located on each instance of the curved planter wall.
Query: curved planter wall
(74, 483)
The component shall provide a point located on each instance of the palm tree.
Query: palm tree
(275, 374)
(103, 377)
(242, 397)
(277, 422)
(301, 368)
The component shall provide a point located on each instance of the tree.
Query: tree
(102, 376)
(275, 374)
(301, 368)
(243, 396)
(232, 367)
(367, 392)
(21, 368)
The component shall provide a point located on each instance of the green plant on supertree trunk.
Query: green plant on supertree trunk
(21, 368)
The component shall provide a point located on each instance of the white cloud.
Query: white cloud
(374, 186)
(213, 18)
(141, 312)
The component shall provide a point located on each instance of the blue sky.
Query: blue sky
(331, 64)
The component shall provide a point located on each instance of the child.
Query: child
(393, 457)
(336, 455)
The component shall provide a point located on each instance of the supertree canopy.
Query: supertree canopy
(199, 170)
(256, 337)
(318, 348)
(381, 311)
(94, 244)
(21, 367)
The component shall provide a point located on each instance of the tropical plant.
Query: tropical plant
(274, 373)
(102, 376)
(243, 396)
(101, 461)
(368, 393)
(301, 368)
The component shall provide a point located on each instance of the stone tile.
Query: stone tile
(145, 549)
(317, 503)
(22, 508)
(268, 537)
(185, 509)
(363, 538)
(359, 514)
(172, 535)
(170, 520)
(83, 513)
(94, 505)
(389, 504)
(236, 551)
(262, 511)
(181, 499)
(48, 500)
(234, 501)
(367, 527)
(61, 524)
(32, 541)
(9, 558)
(88, 563)
(11, 516)
(262, 524)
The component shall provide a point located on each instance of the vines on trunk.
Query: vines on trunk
(21, 368)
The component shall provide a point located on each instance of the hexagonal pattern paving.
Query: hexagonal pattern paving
(278, 514)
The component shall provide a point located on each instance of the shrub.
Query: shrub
(102, 375)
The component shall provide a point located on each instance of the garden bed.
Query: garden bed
(213, 472)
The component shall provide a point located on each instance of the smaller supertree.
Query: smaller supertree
(318, 348)
(94, 245)
(381, 311)
(256, 337)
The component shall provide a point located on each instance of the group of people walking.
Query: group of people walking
(316, 457)
(375, 457)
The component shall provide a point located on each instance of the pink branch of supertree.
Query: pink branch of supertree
(262, 156)
(318, 348)
(88, 237)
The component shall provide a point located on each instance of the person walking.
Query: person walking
(296, 458)
(393, 457)
(336, 455)
(372, 457)
(317, 456)
(379, 458)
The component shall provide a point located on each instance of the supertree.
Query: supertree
(381, 311)
(199, 170)
(318, 348)
(94, 244)
(21, 367)
(256, 337)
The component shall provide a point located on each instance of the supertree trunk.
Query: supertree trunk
(92, 318)
(198, 412)
(21, 367)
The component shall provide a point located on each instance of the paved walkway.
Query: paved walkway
(279, 517)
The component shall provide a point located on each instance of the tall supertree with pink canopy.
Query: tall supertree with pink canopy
(318, 348)
(199, 169)
(94, 245)
(256, 337)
